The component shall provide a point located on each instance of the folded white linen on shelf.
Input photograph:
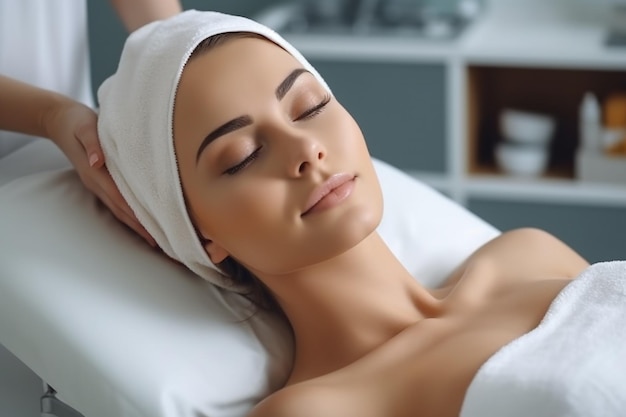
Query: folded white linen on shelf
(573, 364)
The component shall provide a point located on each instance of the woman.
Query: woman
(233, 152)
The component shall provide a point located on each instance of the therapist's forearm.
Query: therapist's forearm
(27, 109)
(136, 13)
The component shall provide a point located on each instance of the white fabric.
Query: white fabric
(572, 365)
(116, 328)
(45, 43)
(136, 119)
(121, 331)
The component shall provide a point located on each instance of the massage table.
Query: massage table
(114, 328)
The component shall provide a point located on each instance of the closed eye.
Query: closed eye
(249, 159)
(315, 110)
(310, 113)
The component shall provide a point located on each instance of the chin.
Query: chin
(334, 233)
(355, 225)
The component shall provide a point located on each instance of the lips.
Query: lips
(329, 193)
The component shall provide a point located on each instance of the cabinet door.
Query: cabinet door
(597, 233)
(401, 108)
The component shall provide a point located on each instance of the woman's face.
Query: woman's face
(257, 139)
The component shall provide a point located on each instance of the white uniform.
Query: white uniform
(45, 43)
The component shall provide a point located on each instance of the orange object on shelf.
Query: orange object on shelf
(615, 111)
(615, 120)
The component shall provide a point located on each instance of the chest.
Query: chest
(429, 366)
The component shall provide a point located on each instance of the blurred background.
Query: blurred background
(514, 108)
(387, 17)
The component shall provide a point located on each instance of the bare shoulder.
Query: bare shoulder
(300, 400)
(530, 252)
(534, 249)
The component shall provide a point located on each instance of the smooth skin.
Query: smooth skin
(370, 340)
(71, 125)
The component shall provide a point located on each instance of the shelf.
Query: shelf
(546, 189)
(552, 47)
(552, 173)
(547, 35)
(550, 34)
(554, 92)
(373, 48)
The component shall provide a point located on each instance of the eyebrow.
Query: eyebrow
(288, 82)
(245, 120)
(230, 126)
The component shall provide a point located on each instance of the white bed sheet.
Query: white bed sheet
(126, 341)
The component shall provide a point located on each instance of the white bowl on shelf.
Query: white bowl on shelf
(526, 127)
(522, 160)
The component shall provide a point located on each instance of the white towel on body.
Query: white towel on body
(135, 126)
(573, 364)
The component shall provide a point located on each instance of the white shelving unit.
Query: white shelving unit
(531, 34)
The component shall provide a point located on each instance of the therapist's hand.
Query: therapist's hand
(73, 127)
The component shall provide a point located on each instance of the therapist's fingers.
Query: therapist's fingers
(98, 179)
(87, 135)
(74, 129)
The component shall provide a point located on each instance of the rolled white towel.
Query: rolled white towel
(573, 364)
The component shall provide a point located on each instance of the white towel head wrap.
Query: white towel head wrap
(135, 127)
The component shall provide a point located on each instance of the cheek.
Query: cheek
(344, 134)
(246, 217)
(235, 210)
(353, 147)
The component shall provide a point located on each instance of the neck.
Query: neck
(344, 308)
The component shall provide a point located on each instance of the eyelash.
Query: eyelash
(315, 110)
(254, 155)
(312, 112)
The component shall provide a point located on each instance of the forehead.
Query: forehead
(240, 64)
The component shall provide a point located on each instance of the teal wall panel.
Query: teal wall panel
(597, 233)
(401, 108)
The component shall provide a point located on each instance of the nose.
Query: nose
(307, 153)
(301, 150)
